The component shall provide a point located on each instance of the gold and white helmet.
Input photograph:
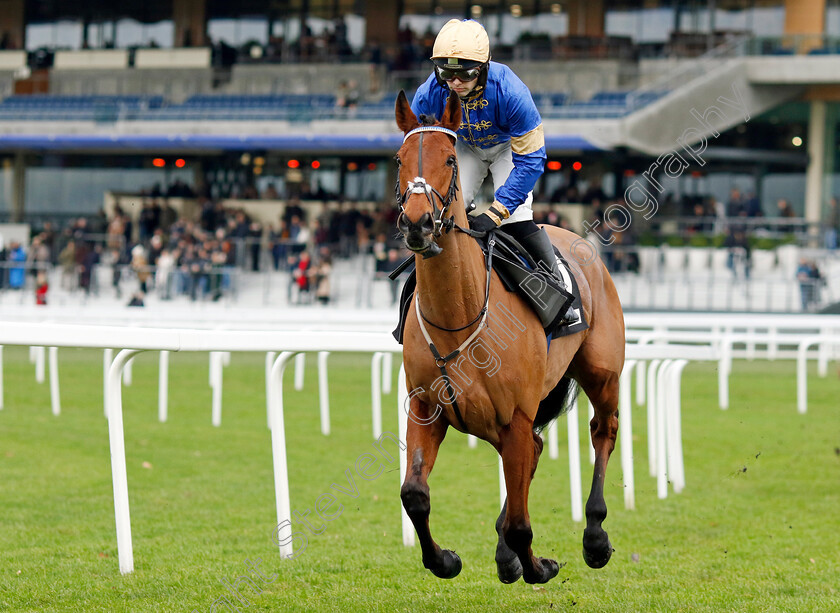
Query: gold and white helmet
(461, 45)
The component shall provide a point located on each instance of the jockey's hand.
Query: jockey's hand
(482, 223)
(491, 218)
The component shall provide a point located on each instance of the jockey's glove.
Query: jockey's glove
(491, 218)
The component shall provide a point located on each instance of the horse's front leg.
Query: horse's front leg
(422, 444)
(520, 453)
(603, 392)
(508, 566)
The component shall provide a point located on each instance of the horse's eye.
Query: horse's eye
(398, 161)
(450, 161)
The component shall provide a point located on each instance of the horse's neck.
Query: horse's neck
(451, 285)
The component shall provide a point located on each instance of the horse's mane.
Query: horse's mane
(428, 120)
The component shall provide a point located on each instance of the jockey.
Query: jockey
(501, 132)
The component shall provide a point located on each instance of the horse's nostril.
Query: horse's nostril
(426, 222)
(425, 225)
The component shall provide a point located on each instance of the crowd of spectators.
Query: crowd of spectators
(160, 250)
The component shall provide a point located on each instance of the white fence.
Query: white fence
(659, 360)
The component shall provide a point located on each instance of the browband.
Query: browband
(431, 129)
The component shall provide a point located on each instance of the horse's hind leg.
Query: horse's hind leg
(601, 386)
(520, 452)
(422, 444)
(508, 566)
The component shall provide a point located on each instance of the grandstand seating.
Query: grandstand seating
(604, 104)
(76, 108)
(277, 107)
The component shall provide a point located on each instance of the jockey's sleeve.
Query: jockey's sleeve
(428, 99)
(527, 143)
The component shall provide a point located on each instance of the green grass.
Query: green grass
(762, 539)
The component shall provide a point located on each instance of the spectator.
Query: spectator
(39, 256)
(277, 239)
(117, 263)
(300, 275)
(735, 205)
(293, 209)
(719, 210)
(147, 222)
(16, 255)
(594, 192)
(739, 251)
(270, 192)
(321, 277)
(832, 224)
(218, 261)
(140, 266)
(700, 224)
(88, 258)
(41, 288)
(753, 206)
(67, 262)
(785, 212)
(348, 95)
(810, 281)
(165, 266)
(254, 239)
(298, 235)
(116, 230)
(168, 216)
(347, 230)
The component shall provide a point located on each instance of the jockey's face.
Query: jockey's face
(462, 88)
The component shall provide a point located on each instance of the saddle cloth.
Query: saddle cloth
(517, 271)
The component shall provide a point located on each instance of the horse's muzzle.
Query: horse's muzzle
(418, 235)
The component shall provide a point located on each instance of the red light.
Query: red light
(629, 172)
(159, 162)
(316, 164)
(352, 166)
(293, 164)
(554, 165)
(696, 174)
(577, 166)
(180, 163)
(372, 166)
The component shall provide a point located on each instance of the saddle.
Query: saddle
(557, 306)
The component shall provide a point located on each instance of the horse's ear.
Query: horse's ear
(452, 113)
(406, 120)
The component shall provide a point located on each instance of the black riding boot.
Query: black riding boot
(539, 246)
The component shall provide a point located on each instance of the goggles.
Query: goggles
(462, 75)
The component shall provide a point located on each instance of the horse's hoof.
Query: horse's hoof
(544, 571)
(597, 549)
(449, 566)
(509, 571)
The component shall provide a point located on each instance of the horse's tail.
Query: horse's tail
(558, 402)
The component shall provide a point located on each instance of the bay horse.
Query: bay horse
(453, 294)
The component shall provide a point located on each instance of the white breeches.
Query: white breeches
(473, 165)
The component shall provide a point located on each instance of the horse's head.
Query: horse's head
(428, 175)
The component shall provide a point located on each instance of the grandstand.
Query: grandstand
(709, 113)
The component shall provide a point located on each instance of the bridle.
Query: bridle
(420, 186)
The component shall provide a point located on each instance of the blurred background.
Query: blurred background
(199, 151)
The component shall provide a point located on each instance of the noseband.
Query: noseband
(420, 186)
